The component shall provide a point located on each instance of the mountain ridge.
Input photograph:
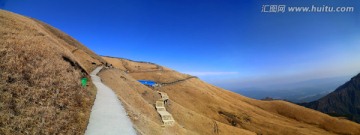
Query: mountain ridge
(344, 101)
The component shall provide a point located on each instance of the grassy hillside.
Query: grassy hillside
(40, 90)
(87, 58)
(139, 102)
(201, 108)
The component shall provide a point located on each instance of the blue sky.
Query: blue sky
(227, 43)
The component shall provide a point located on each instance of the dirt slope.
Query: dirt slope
(201, 108)
(40, 90)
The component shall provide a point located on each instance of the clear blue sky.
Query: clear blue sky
(228, 43)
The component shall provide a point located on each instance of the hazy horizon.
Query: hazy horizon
(231, 44)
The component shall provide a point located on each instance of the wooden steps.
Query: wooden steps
(166, 117)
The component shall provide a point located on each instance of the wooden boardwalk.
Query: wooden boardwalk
(166, 117)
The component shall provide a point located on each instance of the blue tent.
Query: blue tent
(148, 82)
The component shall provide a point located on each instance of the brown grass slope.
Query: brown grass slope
(139, 102)
(40, 91)
(87, 58)
(201, 108)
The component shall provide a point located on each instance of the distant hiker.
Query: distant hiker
(107, 65)
(165, 101)
(83, 82)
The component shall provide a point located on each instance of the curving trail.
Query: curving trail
(178, 81)
(108, 116)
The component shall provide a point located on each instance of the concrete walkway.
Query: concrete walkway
(108, 116)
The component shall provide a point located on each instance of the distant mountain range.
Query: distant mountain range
(344, 101)
(297, 92)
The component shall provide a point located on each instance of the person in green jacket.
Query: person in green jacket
(84, 81)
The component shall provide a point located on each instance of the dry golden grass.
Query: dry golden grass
(87, 58)
(40, 90)
(139, 102)
(115, 62)
(201, 108)
(142, 71)
(133, 66)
